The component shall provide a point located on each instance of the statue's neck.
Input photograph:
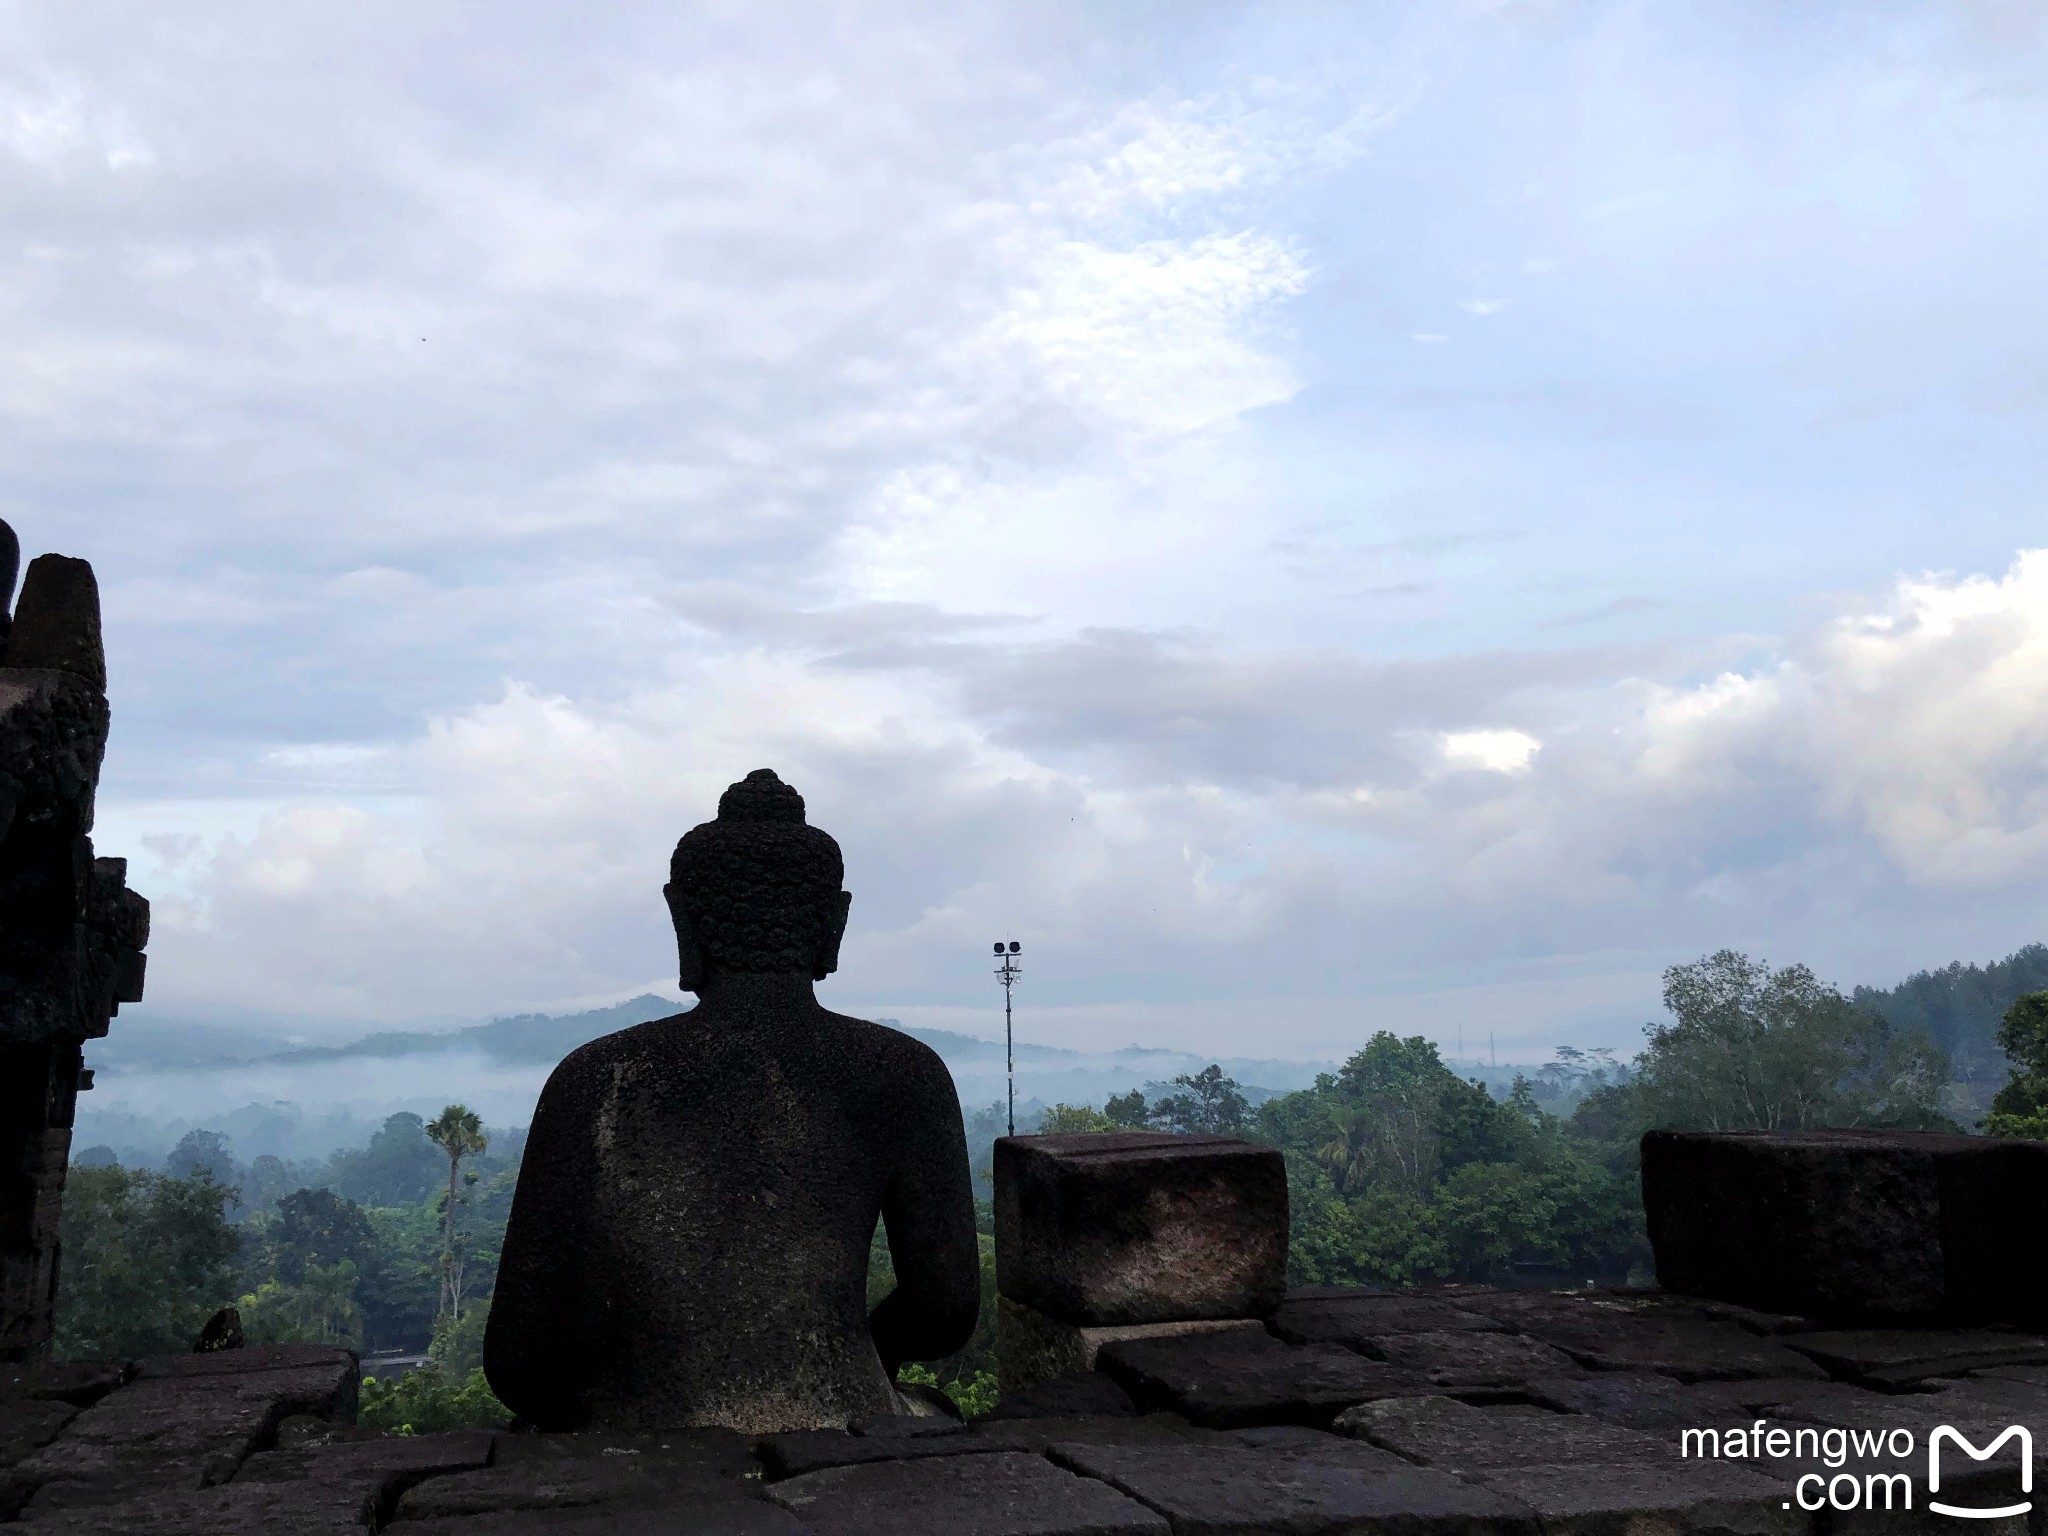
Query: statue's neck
(751, 990)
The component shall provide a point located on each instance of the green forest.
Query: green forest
(1400, 1174)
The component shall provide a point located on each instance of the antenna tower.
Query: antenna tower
(1007, 973)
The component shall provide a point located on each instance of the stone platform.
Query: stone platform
(1456, 1411)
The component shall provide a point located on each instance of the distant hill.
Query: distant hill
(1959, 1006)
(523, 1038)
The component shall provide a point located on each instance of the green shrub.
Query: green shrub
(971, 1396)
(425, 1402)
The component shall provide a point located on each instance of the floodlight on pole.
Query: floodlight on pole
(1007, 973)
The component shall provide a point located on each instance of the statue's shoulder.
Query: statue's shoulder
(907, 1051)
(633, 1043)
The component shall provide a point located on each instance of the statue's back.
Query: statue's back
(689, 1241)
(722, 1181)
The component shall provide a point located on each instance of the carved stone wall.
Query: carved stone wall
(71, 932)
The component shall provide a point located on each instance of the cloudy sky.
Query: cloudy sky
(1312, 518)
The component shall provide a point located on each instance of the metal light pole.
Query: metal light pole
(1007, 973)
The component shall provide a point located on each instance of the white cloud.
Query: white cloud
(496, 434)
(1901, 740)
(1499, 751)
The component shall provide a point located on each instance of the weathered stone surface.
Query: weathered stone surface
(1768, 1324)
(386, 1464)
(1640, 1400)
(169, 1432)
(1000, 1495)
(689, 1240)
(1852, 1227)
(712, 1517)
(78, 1382)
(299, 1430)
(1333, 1316)
(1234, 1380)
(271, 1509)
(1084, 1395)
(1468, 1360)
(1441, 1432)
(71, 933)
(1031, 1347)
(26, 1425)
(809, 1450)
(1042, 1434)
(57, 620)
(1895, 1356)
(29, 1424)
(561, 1472)
(906, 1426)
(1663, 1406)
(252, 1360)
(1140, 1227)
(1689, 1348)
(1295, 1487)
(804, 1451)
(1581, 1499)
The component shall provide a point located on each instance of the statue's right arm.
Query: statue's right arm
(928, 1210)
(533, 1343)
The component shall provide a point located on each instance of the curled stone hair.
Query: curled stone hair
(757, 884)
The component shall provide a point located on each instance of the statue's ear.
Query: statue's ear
(835, 930)
(689, 953)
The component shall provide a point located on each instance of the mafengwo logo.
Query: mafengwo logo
(1867, 1487)
(1944, 1434)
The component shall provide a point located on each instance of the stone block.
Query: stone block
(1689, 1348)
(1085, 1395)
(1000, 1495)
(1469, 1361)
(1031, 1347)
(1140, 1227)
(1335, 1316)
(1043, 1434)
(710, 1517)
(180, 1431)
(540, 1473)
(248, 1361)
(78, 1382)
(1665, 1407)
(1236, 1380)
(798, 1452)
(1672, 1499)
(1441, 1432)
(1896, 1356)
(57, 620)
(1849, 1227)
(1296, 1487)
(272, 1509)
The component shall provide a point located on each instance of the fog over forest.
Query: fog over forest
(158, 1078)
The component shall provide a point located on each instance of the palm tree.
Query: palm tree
(460, 1133)
(1349, 1153)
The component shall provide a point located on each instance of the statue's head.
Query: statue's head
(757, 890)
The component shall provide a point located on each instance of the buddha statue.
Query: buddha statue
(689, 1241)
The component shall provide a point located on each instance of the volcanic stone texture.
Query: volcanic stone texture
(992, 1495)
(1309, 1484)
(1032, 1347)
(1852, 1227)
(231, 1443)
(1140, 1227)
(71, 932)
(187, 1422)
(1235, 1381)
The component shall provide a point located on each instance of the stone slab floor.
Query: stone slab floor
(1462, 1412)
